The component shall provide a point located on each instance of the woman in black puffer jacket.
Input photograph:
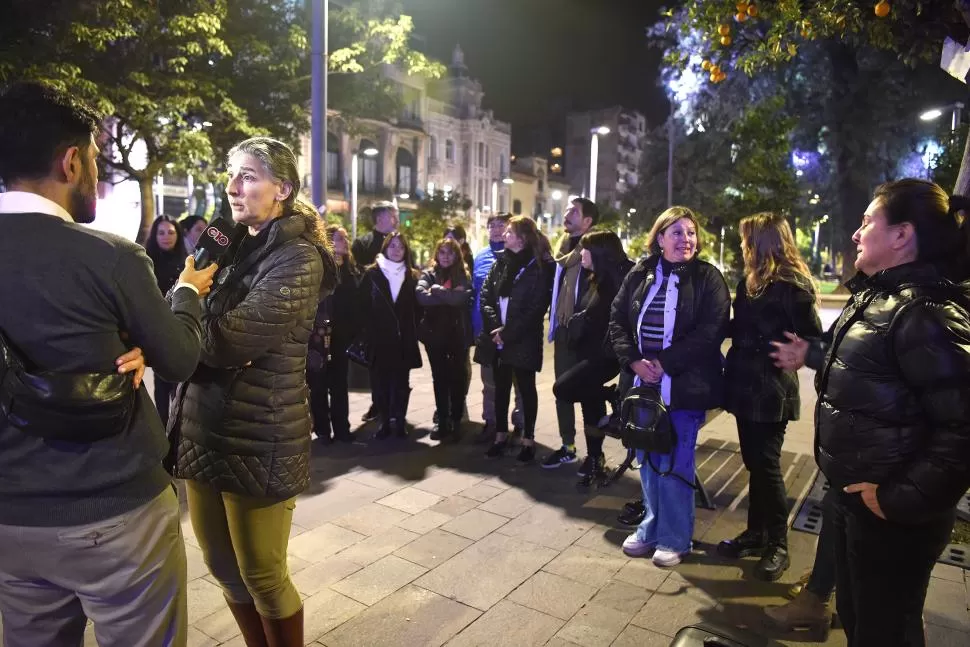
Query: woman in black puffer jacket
(514, 300)
(587, 334)
(893, 416)
(242, 421)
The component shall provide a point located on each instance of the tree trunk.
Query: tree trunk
(963, 179)
(147, 207)
(846, 109)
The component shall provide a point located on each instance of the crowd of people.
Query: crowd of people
(251, 358)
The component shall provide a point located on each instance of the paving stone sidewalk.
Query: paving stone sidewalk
(406, 543)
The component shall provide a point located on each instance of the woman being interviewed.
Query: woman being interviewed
(514, 299)
(667, 325)
(777, 294)
(389, 310)
(242, 420)
(446, 330)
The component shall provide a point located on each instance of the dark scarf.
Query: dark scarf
(512, 264)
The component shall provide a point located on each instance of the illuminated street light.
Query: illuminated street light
(594, 151)
(602, 130)
(557, 195)
(936, 113)
(508, 180)
(370, 152)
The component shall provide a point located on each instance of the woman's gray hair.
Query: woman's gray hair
(664, 220)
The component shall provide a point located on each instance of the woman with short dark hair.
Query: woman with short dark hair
(893, 418)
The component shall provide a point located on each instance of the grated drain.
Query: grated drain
(809, 519)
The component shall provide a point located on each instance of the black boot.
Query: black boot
(744, 545)
(443, 430)
(773, 563)
(633, 516)
(596, 474)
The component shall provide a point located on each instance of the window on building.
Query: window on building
(502, 167)
(465, 158)
(486, 157)
(542, 186)
(503, 204)
(481, 154)
(481, 192)
(517, 207)
(405, 171)
(368, 168)
(433, 149)
(449, 150)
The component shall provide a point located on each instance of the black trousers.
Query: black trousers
(768, 504)
(329, 401)
(449, 376)
(822, 581)
(390, 381)
(584, 383)
(882, 570)
(164, 392)
(526, 381)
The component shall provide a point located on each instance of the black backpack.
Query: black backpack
(73, 407)
(645, 422)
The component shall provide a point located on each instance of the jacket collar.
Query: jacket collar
(684, 271)
(894, 278)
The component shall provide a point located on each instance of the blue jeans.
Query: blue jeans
(669, 502)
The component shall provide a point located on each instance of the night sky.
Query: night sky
(539, 59)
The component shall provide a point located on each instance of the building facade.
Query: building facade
(442, 140)
(618, 160)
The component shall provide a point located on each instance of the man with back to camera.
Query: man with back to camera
(365, 250)
(88, 529)
(569, 286)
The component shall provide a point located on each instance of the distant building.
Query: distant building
(619, 155)
(442, 140)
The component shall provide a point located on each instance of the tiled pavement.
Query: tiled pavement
(404, 543)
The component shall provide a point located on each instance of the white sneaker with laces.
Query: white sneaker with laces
(636, 548)
(666, 558)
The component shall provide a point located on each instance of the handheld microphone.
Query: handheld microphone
(213, 243)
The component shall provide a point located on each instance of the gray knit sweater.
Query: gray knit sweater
(66, 294)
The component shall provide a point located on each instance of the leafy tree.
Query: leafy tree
(425, 226)
(855, 79)
(182, 81)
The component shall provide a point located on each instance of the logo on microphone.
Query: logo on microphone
(221, 239)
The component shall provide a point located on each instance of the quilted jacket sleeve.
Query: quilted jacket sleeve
(488, 304)
(932, 346)
(278, 301)
(710, 325)
(624, 342)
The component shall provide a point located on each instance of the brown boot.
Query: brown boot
(250, 624)
(285, 632)
(806, 612)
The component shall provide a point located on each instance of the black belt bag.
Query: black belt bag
(645, 422)
(74, 407)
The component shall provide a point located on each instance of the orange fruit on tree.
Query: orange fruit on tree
(706, 65)
(742, 6)
(725, 40)
(724, 30)
(752, 11)
(741, 17)
(882, 9)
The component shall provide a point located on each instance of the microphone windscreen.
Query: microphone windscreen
(213, 243)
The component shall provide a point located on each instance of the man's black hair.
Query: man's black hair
(503, 217)
(37, 124)
(588, 208)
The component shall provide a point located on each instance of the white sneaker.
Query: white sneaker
(636, 548)
(666, 558)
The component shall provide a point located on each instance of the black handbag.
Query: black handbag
(645, 422)
(74, 407)
(359, 351)
(575, 330)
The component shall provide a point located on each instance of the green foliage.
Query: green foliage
(425, 226)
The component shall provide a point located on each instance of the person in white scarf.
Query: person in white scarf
(389, 312)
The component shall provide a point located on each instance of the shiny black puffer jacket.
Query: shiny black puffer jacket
(894, 393)
(243, 418)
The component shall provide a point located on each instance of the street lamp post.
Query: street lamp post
(494, 206)
(670, 162)
(354, 173)
(318, 101)
(594, 151)
(956, 109)
(720, 257)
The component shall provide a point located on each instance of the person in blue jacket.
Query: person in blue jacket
(484, 261)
